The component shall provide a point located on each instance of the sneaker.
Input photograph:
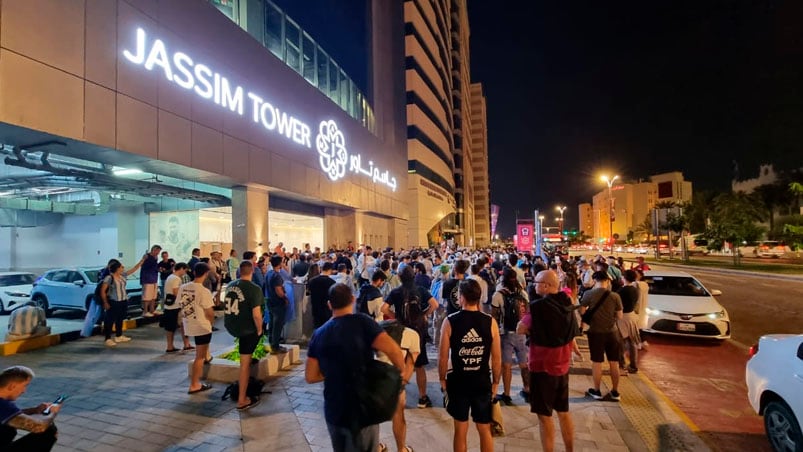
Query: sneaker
(119, 339)
(525, 395)
(110, 343)
(147, 314)
(278, 350)
(424, 402)
(632, 369)
(615, 396)
(594, 394)
(505, 399)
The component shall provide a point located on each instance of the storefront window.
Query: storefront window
(308, 62)
(292, 40)
(274, 35)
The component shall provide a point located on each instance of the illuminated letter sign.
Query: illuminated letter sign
(191, 75)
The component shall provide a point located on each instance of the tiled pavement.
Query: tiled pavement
(133, 397)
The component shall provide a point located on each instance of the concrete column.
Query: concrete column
(340, 226)
(249, 220)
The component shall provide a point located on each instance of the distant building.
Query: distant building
(479, 167)
(766, 176)
(632, 203)
(586, 217)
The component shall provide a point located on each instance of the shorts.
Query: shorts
(603, 345)
(460, 401)
(548, 393)
(248, 344)
(422, 359)
(513, 347)
(149, 292)
(169, 321)
(203, 340)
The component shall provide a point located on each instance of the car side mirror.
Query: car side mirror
(800, 351)
(716, 292)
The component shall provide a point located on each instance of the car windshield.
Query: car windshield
(16, 280)
(685, 286)
(92, 275)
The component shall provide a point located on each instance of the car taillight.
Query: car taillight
(753, 350)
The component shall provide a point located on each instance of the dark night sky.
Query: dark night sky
(635, 88)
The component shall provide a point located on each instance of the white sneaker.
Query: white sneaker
(110, 343)
(147, 314)
(122, 339)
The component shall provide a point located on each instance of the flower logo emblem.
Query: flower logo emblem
(332, 152)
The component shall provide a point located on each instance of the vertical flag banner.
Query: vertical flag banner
(494, 218)
(525, 233)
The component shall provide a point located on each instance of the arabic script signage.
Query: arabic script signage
(180, 69)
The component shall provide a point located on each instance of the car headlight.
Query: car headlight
(716, 315)
(651, 311)
(17, 294)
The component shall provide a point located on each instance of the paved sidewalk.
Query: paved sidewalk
(133, 397)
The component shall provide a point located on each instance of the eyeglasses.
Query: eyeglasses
(540, 282)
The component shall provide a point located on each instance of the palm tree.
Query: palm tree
(773, 196)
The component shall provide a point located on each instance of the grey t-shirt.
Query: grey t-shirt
(604, 320)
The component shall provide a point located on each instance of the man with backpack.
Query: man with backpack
(508, 306)
(411, 306)
(243, 320)
(601, 308)
(370, 300)
(552, 327)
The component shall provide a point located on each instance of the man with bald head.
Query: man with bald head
(552, 327)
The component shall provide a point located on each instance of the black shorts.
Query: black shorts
(548, 392)
(422, 359)
(460, 400)
(169, 320)
(203, 340)
(603, 345)
(248, 344)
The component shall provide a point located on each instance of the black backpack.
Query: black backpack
(367, 292)
(510, 314)
(394, 329)
(254, 389)
(553, 323)
(101, 276)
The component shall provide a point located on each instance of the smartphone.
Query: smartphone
(61, 398)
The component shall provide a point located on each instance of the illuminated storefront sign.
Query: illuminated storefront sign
(181, 69)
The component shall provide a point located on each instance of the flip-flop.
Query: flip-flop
(188, 348)
(171, 350)
(204, 387)
(252, 403)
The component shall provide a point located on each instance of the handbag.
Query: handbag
(589, 315)
(377, 389)
(497, 423)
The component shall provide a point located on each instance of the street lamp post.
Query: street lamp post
(610, 182)
(561, 209)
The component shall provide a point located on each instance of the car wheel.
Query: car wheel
(782, 428)
(41, 301)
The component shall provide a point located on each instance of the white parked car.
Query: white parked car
(774, 377)
(15, 289)
(680, 305)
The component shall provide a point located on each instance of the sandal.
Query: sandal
(204, 387)
(171, 350)
(252, 402)
(188, 348)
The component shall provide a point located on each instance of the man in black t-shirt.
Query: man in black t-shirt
(318, 288)
(449, 296)
(277, 305)
(402, 300)
(471, 338)
(165, 268)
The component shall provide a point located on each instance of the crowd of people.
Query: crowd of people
(482, 311)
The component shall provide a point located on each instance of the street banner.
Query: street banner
(525, 233)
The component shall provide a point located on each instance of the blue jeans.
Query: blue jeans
(343, 440)
(278, 313)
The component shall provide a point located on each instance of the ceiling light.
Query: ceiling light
(120, 171)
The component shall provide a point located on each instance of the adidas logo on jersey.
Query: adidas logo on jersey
(471, 337)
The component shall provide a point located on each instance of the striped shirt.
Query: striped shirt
(24, 320)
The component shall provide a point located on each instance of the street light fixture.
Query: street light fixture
(561, 209)
(610, 182)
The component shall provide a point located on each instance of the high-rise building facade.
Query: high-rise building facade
(441, 185)
(479, 166)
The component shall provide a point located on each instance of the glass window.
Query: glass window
(676, 285)
(92, 275)
(344, 91)
(228, 7)
(356, 103)
(292, 39)
(16, 280)
(308, 62)
(59, 276)
(323, 71)
(274, 36)
(334, 77)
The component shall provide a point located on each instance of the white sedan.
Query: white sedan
(774, 377)
(15, 289)
(680, 305)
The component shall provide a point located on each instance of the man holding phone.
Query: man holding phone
(37, 420)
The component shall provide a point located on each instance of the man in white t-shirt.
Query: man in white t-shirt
(169, 321)
(198, 314)
(411, 347)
